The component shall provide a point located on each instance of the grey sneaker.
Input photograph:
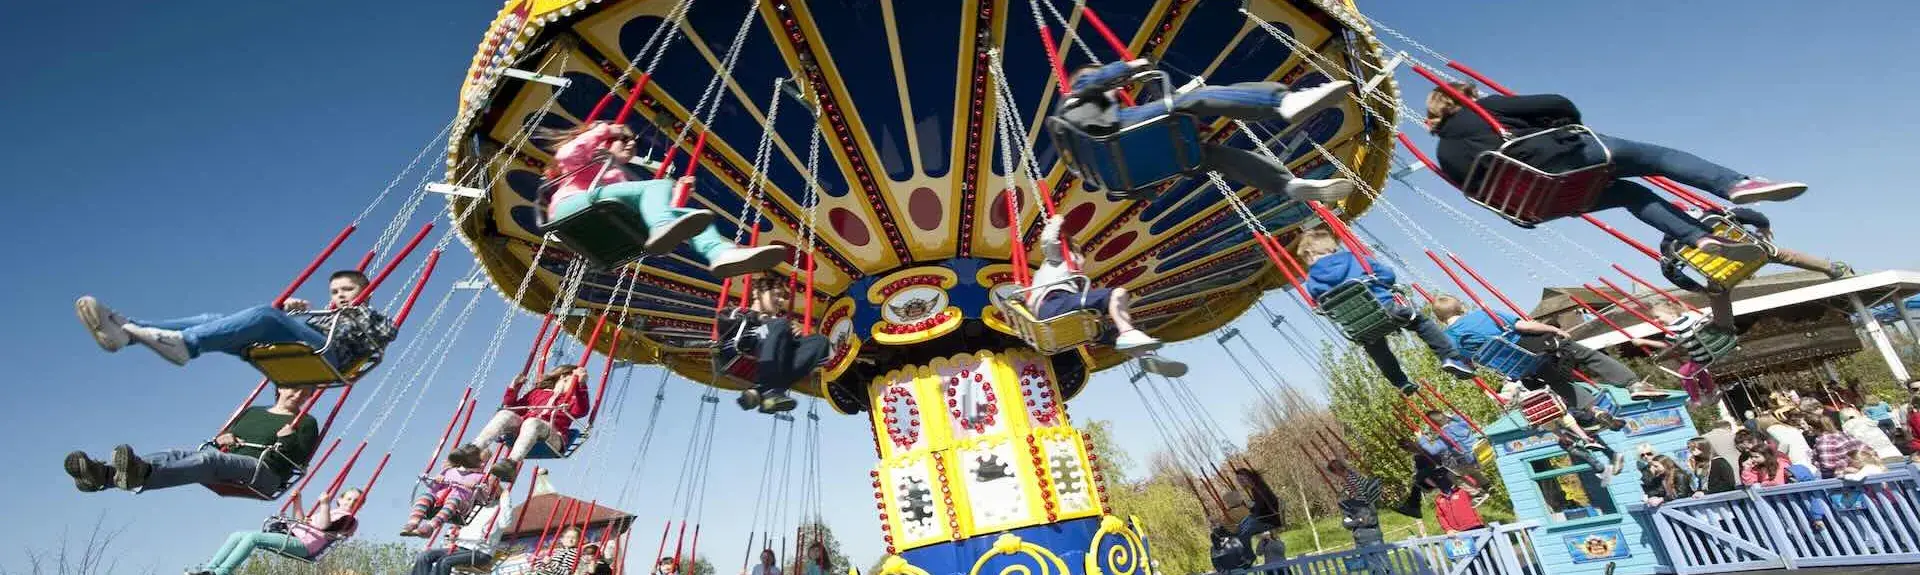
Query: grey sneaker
(1331, 190)
(129, 471)
(741, 261)
(1162, 367)
(102, 323)
(168, 343)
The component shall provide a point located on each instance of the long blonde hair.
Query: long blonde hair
(1440, 104)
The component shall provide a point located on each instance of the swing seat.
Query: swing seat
(735, 356)
(1130, 163)
(1541, 407)
(244, 491)
(1722, 273)
(1706, 344)
(607, 233)
(1505, 355)
(1057, 334)
(1528, 196)
(296, 364)
(1361, 316)
(572, 442)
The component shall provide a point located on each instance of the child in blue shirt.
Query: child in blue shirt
(1329, 266)
(1471, 330)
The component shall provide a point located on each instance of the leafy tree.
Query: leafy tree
(1169, 513)
(353, 556)
(808, 534)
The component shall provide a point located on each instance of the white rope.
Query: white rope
(439, 139)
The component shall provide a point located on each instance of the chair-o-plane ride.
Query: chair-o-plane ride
(911, 216)
(926, 169)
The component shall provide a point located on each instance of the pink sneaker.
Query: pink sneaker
(1752, 190)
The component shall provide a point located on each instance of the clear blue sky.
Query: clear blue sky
(199, 152)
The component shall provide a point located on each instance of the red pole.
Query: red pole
(1053, 59)
(1462, 98)
(1486, 284)
(262, 386)
(1624, 293)
(1466, 290)
(532, 481)
(1656, 289)
(633, 96)
(1340, 230)
(661, 553)
(1501, 401)
(1435, 391)
(304, 479)
(808, 318)
(593, 339)
(586, 523)
(1406, 422)
(1477, 77)
(693, 551)
(1106, 33)
(534, 353)
(1623, 305)
(680, 192)
(606, 373)
(1431, 424)
(438, 447)
(366, 260)
(1422, 291)
(325, 253)
(472, 404)
(365, 491)
(548, 347)
(433, 258)
(1343, 441)
(1603, 319)
(388, 269)
(1284, 260)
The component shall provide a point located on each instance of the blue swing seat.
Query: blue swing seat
(544, 450)
(1504, 355)
(1131, 162)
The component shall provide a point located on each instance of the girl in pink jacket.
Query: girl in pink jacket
(450, 493)
(587, 167)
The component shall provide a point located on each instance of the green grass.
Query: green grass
(1299, 540)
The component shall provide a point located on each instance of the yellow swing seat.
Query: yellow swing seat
(1723, 273)
(1056, 334)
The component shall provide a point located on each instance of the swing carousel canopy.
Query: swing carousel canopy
(913, 232)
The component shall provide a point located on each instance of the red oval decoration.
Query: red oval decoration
(1077, 218)
(1116, 245)
(925, 209)
(849, 227)
(997, 214)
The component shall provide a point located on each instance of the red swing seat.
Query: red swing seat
(1528, 196)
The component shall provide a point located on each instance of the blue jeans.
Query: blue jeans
(1633, 159)
(1251, 526)
(234, 333)
(439, 561)
(653, 199)
(1429, 332)
(176, 467)
(240, 546)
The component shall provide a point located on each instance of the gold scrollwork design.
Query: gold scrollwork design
(1009, 544)
(1124, 557)
(897, 565)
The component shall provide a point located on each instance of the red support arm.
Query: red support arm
(365, 492)
(1489, 285)
(633, 97)
(325, 253)
(680, 191)
(606, 373)
(1656, 289)
(433, 259)
(388, 269)
(1629, 309)
(1435, 391)
(1603, 319)
(1431, 424)
(1465, 289)
(459, 407)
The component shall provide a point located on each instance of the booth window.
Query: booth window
(1570, 490)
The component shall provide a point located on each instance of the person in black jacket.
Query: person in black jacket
(1464, 135)
(1713, 473)
(1263, 507)
(1094, 107)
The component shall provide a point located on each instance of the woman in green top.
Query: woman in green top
(260, 450)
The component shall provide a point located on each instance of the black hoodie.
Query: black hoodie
(1464, 135)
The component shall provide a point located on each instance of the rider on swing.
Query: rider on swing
(1464, 136)
(1094, 106)
(785, 356)
(1056, 293)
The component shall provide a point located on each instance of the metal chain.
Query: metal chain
(700, 111)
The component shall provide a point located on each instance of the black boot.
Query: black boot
(88, 475)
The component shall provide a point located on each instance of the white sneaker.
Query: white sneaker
(1319, 190)
(168, 343)
(1300, 103)
(1162, 367)
(1135, 342)
(742, 261)
(1195, 83)
(662, 240)
(102, 323)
